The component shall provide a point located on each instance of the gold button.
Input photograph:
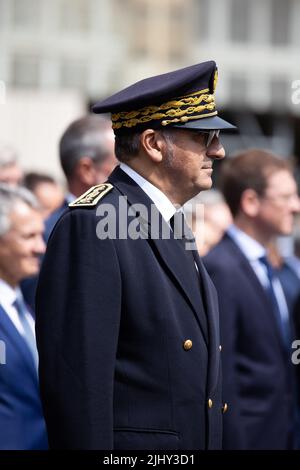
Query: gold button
(224, 408)
(220, 347)
(210, 403)
(187, 344)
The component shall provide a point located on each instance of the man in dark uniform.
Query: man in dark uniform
(127, 317)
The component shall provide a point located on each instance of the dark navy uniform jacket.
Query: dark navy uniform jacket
(257, 370)
(113, 318)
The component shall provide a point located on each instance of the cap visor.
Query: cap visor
(212, 123)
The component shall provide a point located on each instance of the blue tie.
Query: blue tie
(28, 333)
(283, 323)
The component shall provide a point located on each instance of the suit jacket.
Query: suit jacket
(53, 218)
(28, 285)
(22, 425)
(112, 319)
(257, 370)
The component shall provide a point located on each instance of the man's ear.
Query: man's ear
(250, 203)
(152, 144)
(84, 170)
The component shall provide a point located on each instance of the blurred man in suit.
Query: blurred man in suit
(256, 331)
(10, 170)
(86, 151)
(21, 244)
(48, 192)
(211, 223)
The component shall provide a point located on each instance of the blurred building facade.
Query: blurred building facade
(256, 45)
(57, 45)
(91, 45)
(96, 47)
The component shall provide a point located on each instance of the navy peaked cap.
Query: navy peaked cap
(183, 98)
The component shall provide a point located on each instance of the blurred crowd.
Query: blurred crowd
(30, 205)
(258, 285)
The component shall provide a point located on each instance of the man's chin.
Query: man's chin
(33, 270)
(205, 185)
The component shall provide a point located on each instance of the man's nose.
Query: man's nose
(216, 149)
(40, 246)
(296, 204)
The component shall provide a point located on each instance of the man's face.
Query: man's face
(189, 162)
(279, 204)
(50, 197)
(11, 174)
(22, 245)
(104, 169)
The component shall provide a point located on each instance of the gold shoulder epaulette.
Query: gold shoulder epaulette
(92, 195)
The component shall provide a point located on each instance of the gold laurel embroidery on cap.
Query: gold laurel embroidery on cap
(188, 118)
(92, 195)
(182, 101)
(215, 80)
(185, 105)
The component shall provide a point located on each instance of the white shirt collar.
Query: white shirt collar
(253, 251)
(251, 248)
(161, 201)
(8, 294)
(69, 197)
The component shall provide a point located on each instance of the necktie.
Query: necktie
(282, 322)
(28, 333)
(183, 233)
(181, 229)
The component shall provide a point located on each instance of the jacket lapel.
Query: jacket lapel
(180, 270)
(9, 330)
(260, 292)
(212, 311)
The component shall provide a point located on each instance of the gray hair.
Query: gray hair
(84, 138)
(9, 197)
(8, 155)
(127, 144)
(209, 198)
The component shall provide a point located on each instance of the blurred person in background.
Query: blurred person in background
(47, 191)
(10, 171)
(86, 151)
(256, 326)
(287, 269)
(294, 264)
(216, 218)
(21, 244)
